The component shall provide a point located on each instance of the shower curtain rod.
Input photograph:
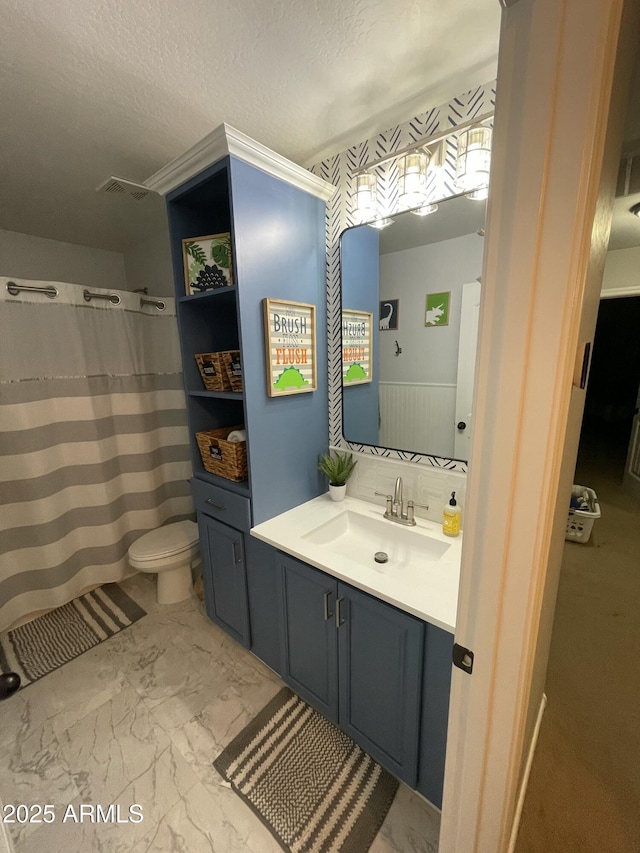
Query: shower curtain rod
(113, 298)
(51, 291)
(160, 305)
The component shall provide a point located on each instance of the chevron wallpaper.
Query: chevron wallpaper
(338, 170)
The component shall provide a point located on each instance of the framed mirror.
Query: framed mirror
(414, 361)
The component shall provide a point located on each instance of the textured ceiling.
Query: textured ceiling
(92, 88)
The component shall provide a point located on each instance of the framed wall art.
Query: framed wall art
(290, 347)
(356, 347)
(389, 314)
(437, 313)
(207, 263)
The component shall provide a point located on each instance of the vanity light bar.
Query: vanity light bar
(429, 140)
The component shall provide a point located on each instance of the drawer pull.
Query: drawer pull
(213, 504)
(327, 614)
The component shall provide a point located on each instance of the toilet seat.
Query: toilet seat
(172, 540)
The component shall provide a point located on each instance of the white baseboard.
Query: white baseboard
(525, 775)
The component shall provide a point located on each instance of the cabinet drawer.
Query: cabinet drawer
(232, 509)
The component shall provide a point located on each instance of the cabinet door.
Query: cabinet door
(224, 574)
(435, 712)
(311, 657)
(380, 664)
(264, 587)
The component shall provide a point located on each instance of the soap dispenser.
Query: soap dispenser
(451, 517)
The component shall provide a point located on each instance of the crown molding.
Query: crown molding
(226, 140)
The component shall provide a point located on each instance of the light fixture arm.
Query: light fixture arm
(426, 142)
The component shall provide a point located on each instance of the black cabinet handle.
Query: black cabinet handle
(339, 619)
(462, 425)
(325, 603)
(237, 553)
(213, 504)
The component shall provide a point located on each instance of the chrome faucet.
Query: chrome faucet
(395, 509)
(398, 505)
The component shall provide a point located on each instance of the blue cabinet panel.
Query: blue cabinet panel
(280, 253)
(380, 664)
(223, 571)
(221, 504)
(360, 274)
(264, 587)
(435, 712)
(311, 655)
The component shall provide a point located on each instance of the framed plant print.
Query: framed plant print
(290, 347)
(207, 263)
(437, 313)
(356, 347)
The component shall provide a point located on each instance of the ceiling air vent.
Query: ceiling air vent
(120, 186)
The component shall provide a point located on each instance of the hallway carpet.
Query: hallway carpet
(584, 790)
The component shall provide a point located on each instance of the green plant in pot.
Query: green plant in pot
(338, 467)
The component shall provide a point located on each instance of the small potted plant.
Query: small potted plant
(338, 468)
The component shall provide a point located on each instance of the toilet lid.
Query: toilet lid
(165, 541)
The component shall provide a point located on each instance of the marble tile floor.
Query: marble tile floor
(139, 720)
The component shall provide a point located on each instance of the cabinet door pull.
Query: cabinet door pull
(339, 619)
(327, 614)
(237, 553)
(209, 502)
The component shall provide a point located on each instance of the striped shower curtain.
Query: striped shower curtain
(93, 439)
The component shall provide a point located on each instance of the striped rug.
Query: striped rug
(55, 638)
(308, 782)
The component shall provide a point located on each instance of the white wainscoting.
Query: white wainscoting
(418, 416)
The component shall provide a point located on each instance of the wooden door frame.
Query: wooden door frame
(557, 138)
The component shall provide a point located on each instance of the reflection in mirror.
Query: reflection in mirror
(418, 279)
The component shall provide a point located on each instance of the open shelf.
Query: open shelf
(209, 294)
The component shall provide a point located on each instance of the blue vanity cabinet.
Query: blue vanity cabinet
(310, 637)
(436, 687)
(224, 575)
(264, 587)
(380, 652)
(358, 661)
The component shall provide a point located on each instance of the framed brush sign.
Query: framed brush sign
(290, 347)
(356, 347)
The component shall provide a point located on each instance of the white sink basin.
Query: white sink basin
(423, 567)
(359, 538)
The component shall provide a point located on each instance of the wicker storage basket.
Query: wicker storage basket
(233, 366)
(213, 371)
(227, 459)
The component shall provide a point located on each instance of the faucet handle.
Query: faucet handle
(411, 517)
(389, 498)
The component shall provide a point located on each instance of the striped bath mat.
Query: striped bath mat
(55, 638)
(307, 781)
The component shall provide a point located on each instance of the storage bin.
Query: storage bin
(580, 522)
(213, 371)
(233, 367)
(227, 459)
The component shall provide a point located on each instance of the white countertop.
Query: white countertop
(426, 587)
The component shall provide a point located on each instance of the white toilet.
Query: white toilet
(169, 551)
